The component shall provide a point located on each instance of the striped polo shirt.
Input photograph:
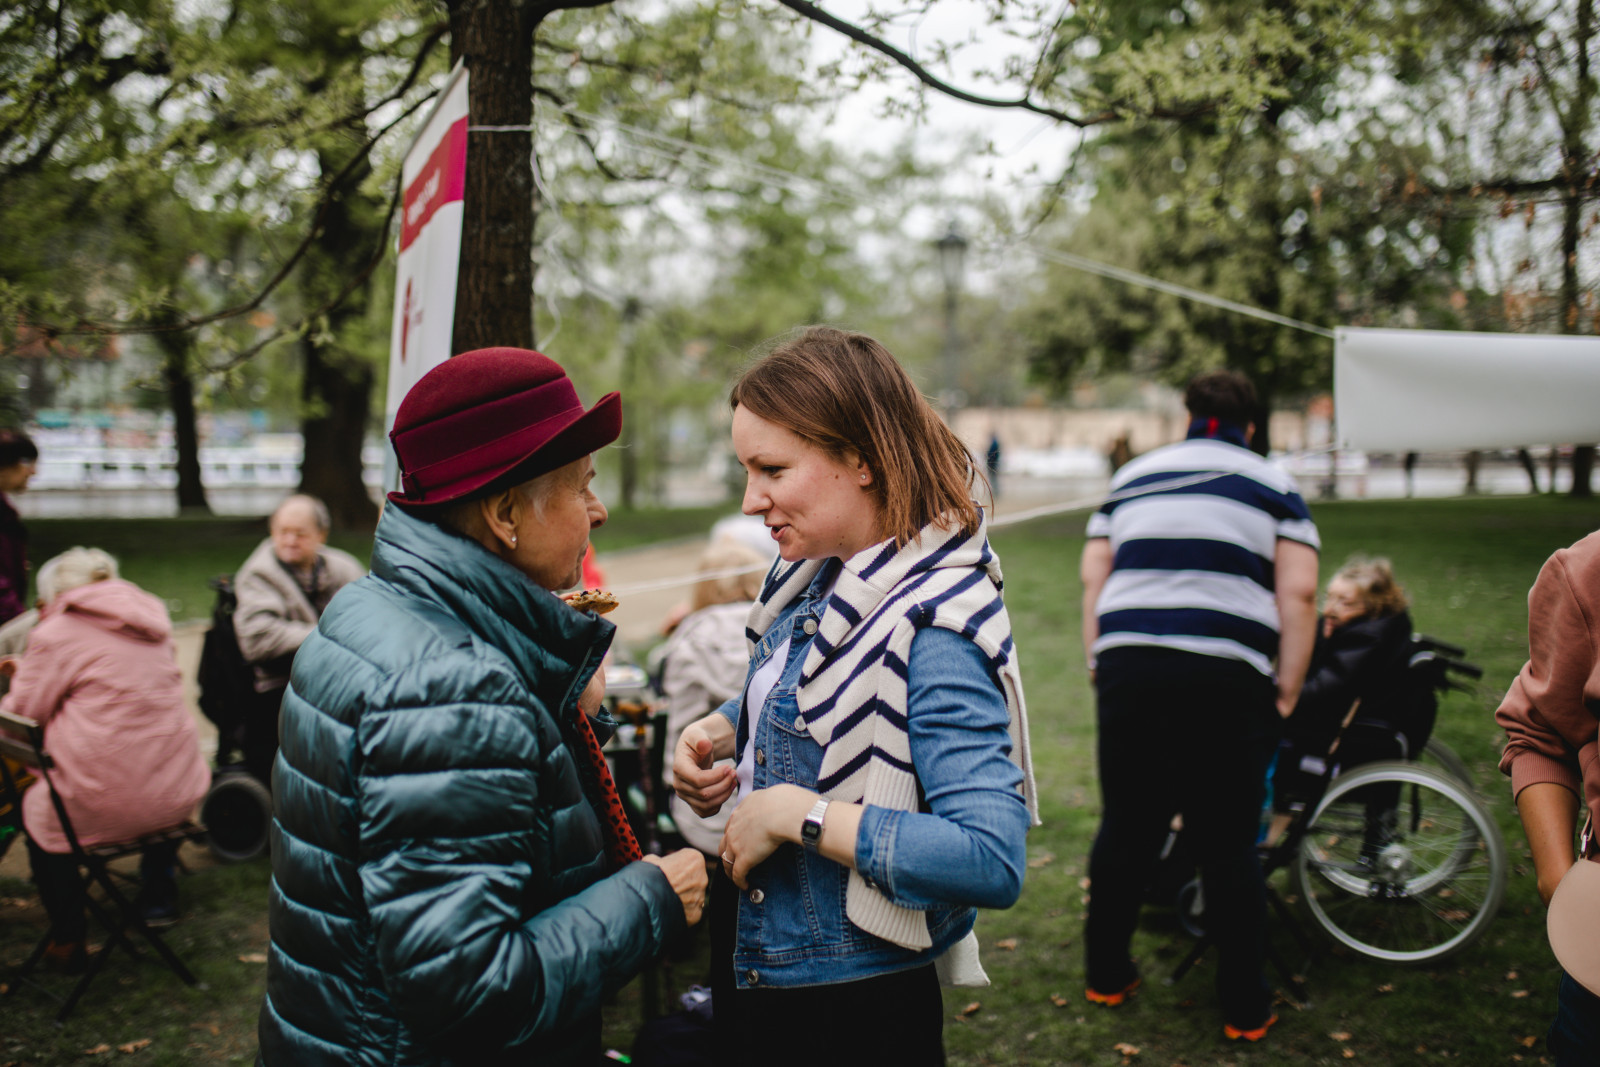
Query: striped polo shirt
(1194, 527)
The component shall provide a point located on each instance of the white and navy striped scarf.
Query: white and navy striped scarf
(852, 690)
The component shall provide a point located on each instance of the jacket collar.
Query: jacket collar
(529, 623)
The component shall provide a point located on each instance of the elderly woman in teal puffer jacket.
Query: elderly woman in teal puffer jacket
(453, 879)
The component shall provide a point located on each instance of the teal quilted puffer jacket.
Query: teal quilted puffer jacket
(439, 886)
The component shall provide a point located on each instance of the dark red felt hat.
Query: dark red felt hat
(492, 418)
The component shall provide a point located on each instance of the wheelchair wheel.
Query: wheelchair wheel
(237, 814)
(1401, 863)
(1438, 756)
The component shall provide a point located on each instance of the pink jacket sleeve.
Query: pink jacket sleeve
(43, 679)
(1546, 713)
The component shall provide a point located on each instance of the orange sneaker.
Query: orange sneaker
(1233, 1033)
(1111, 1000)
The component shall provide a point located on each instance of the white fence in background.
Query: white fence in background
(156, 468)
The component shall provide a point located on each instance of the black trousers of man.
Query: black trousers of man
(1183, 733)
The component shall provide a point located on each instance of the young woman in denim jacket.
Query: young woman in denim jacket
(881, 740)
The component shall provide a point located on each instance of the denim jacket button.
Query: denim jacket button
(809, 626)
(761, 756)
(757, 896)
(800, 724)
(752, 977)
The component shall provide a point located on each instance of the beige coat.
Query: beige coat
(275, 614)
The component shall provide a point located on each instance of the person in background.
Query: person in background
(1552, 755)
(1363, 652)
(454, 879)
(283, 589)
(18, 459)
(880, 745)
(991, 462)
(101, 676)
(704, 662)
(1199, 572)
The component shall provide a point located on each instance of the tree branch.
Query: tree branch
(330, 192)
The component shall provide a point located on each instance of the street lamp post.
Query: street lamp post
(952, 260)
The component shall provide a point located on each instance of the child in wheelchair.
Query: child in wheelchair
(1369, 693)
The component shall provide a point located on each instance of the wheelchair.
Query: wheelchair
(1396, 859)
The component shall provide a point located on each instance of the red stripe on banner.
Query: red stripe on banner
(442, 181)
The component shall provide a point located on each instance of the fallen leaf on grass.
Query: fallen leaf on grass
(211, 1028)
(1009, 944)
(1387, 987)
(1349, 1053)
(253, 957)
(1128, 1051)
(1511, 976)
(135, 1046)
(1340, 1035)
(97, 1050)
(1058, 1000)
(1529, 1041)
(1040, 861)
(971, 1009)
(1518, 994)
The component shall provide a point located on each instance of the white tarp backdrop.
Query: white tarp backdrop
(1432, 390)
(432, 177)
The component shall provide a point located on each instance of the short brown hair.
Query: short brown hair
(846, 394)
(1225, 395)
(1381, 594)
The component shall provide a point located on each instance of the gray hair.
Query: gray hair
(319, 510)
(74, 567)
(465, 518)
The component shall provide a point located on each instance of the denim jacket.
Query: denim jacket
(965, 848)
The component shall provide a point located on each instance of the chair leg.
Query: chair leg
(130, 917)
(96, 962)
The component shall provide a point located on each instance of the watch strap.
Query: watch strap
(811, 829)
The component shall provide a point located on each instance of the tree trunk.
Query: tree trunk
(175, 349)
(1575, 156)
(339, 398)
(494, 290)
(337, 385)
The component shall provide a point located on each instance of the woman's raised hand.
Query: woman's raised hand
(695, 778)
(686, 872)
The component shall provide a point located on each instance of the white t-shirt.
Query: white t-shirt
(755, 696)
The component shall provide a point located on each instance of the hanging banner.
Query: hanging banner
(432, 179)
(1435, 390)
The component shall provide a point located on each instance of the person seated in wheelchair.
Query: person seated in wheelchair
(1363, 653)
(101, 676)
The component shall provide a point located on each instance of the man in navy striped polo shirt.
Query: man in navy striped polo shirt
(1199, 613)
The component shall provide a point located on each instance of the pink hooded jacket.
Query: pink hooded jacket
(101, 675)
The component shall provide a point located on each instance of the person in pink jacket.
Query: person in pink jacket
(101, 675)
(1551, 716)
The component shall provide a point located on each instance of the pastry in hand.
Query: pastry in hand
(596, 600)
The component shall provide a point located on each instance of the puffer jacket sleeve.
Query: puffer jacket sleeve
(456, 855)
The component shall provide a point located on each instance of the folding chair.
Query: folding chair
(116, 913)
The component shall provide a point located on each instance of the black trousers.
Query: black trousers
(259, 733)
(1181, 732)
(61, 888)
(887, 1019)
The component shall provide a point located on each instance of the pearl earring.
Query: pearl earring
(513, 540)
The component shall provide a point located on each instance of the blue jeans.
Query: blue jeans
(1181, 732)
(1574, 1037)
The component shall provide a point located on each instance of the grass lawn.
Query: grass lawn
(1468, 565)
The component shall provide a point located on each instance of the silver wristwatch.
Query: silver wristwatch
(811, 829)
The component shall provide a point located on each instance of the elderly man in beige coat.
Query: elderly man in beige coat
(282, 589)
